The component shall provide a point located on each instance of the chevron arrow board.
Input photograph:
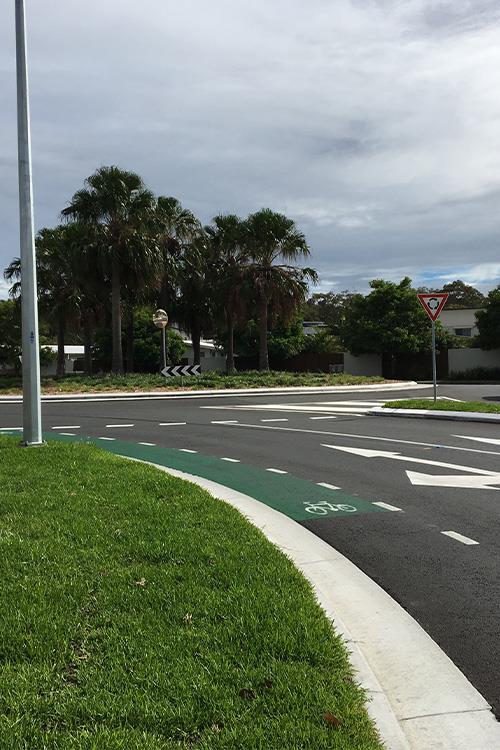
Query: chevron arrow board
(179, 370)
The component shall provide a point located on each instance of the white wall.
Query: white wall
(460, 360)
(451, 319)
(365, 364)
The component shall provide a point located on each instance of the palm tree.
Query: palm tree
(118, 202)
(278, 288)
(195, 295)
(175, 226)
(227, 242)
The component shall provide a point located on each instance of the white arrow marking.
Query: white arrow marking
(434, 480)
(367, 453)
(491, 441)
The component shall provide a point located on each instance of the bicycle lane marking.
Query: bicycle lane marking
(299, 499)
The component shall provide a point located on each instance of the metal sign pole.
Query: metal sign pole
(164, 345)
(434, 369)
(32, 418)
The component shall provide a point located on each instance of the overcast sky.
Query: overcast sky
(375, 124)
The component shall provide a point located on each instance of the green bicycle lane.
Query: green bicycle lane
(296, 498)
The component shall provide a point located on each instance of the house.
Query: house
(212, 358)
(310, 327)
(460, 322)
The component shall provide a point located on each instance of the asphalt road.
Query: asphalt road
(428, 477)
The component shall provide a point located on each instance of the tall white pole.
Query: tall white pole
(32, 419)
(434, 368)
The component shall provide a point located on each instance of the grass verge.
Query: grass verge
(481, 406)
(154, 381)
(138, 612)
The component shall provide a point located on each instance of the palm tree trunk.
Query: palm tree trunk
(263, 350)
(130, 340)
(230, 368)
(195, 339)
(61, 331)
(116, 316)
(87, 343)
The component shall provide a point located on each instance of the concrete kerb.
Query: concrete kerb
(244, 392)
(458, 416)
(419, 699)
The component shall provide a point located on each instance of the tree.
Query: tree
(329, 307)
(194, 303)
(10, 335)
(488, 321)
(462, 296)
(278, 289)
(228, 257)
(389, 321)
(116, 201)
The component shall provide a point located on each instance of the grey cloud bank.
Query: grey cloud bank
(376, 125)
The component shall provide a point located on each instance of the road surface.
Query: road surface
(414, 503)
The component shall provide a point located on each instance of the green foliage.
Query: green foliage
(476, 373)
(488, 321)
(147, 344)
(322, 342)
(285, 341)
(462, 295)
(389, 320)
(331, 308)
(422, 403)
(10, 338)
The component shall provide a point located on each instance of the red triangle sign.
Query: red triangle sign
(433, 303)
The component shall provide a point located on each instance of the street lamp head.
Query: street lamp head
(160, 318)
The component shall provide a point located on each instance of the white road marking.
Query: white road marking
(119, 425)
(106, 438)
(274, 420)
(231, 460)
(328, 486)
(459, 537)
(448, 480)
(169, 424)
(67, 427)
(374, 438)
(491, 441)
(224, 421)
(151, 444)
(277, 471)
(324, 417)
(187, 450)
(355, 408)
(367, 453)
(386, 506)
(10, 428)
(68, 434)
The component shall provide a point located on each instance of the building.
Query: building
(460, 322)
(310, 327)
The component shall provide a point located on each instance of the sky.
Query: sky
(374, 124)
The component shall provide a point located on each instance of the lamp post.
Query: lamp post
(160, 319)
(32, 418)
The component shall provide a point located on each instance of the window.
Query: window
(463, 331)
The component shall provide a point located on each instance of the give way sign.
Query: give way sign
(433, 303)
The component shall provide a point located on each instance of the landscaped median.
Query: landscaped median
(484, 407)
(466, 411)
(139, 612)
(209, 380)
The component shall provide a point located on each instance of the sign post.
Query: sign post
(433, 303)
(160, 319)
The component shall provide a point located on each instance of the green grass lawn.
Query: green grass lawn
(140, 613)
(421, 403)
(145, 381)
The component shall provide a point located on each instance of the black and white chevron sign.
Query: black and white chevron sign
(176, 370)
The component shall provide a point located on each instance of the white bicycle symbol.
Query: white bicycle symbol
(322, 508)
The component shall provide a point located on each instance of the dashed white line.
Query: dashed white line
(274, 420)
(152, 444)
(329, 417)
(224, 421)
(231, 460)
(67, 427)
(119, 425)
(386, 506)
(187, 450)
(106, 438)
(68, 434)
(459, 537)
(169, 424)
(10, 428)
(277, 471)
(328, 486)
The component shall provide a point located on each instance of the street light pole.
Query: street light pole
(32, 419)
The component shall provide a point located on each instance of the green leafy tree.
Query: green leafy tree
(119, 204)
(488, 321)
(228, 258)
(194, 304)
(277, 289)
(388, 321)
(463, 296)
(330, 308)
